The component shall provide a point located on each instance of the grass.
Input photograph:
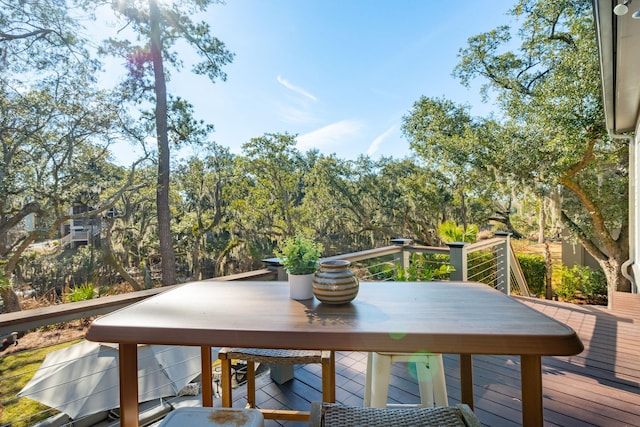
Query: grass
(16, 370)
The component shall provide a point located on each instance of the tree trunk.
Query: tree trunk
(197, 274)
(463, 210)
(10, 300)
(612, 268)
(556, 214)
(548, 285)
(111, 260)
(542, 219)
(168, 258)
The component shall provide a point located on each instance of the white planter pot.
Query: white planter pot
(301, 286)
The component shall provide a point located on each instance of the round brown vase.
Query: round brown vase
(335, 283)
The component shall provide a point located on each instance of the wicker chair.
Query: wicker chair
(332, 415)
(276, 357)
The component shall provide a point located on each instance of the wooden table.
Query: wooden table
(440, 317)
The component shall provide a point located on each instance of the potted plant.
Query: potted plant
(299, 255)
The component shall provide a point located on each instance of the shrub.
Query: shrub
(384, 271)
(80, 293)
(534, 271)
(449, 232)
(592, 284)
(481, 267)
(568, 287)
(425, 267)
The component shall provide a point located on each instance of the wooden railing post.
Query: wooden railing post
(458, 259)
(503, 263)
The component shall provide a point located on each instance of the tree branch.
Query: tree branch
(38, 33)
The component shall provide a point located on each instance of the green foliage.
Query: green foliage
(226, 210)
(450, 232)
(481, 267)
(552, 133)
(569, 284)
(4, 282)
(590, 283)
(594, 285)
(272, 173)
(382, 271)
(425, 267)
(299, 254)
(534, 270)
(463, 149)
(80, 293)
(45, 272)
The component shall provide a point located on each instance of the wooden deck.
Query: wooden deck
(599, 387)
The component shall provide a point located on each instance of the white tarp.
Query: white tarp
(83, 379)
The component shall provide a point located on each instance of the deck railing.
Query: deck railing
(491, 261)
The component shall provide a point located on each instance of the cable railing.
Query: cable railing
(491, 261)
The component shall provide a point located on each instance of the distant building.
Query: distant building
(78, 232)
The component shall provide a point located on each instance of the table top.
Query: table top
(440, 317)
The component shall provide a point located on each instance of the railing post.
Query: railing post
(458, 259)
(405, 256)
(275, 265)
(503, 263)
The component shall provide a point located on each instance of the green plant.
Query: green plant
(80, 293)
(299, 254)
(424, 268)
(449, 232)
(535, 271)
(383, 271)
(568, 287)
(592, 284)
(481, 267)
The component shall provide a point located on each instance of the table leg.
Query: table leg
(531, 380)
(226, 383)
(128, 354)
(466, 379)
(332, 377)
(207, 377)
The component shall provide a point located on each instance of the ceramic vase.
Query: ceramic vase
(335, 283)
(301, 286)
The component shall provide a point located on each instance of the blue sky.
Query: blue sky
(339, 74)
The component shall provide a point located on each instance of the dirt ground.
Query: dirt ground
(48, 336)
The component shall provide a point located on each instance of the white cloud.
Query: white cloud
(296, 89)
(373, 148)
(295, 115)
(341, 132)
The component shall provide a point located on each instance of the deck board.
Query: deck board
(599, 387)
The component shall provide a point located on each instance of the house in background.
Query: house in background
(618, 35)
(78, 232)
